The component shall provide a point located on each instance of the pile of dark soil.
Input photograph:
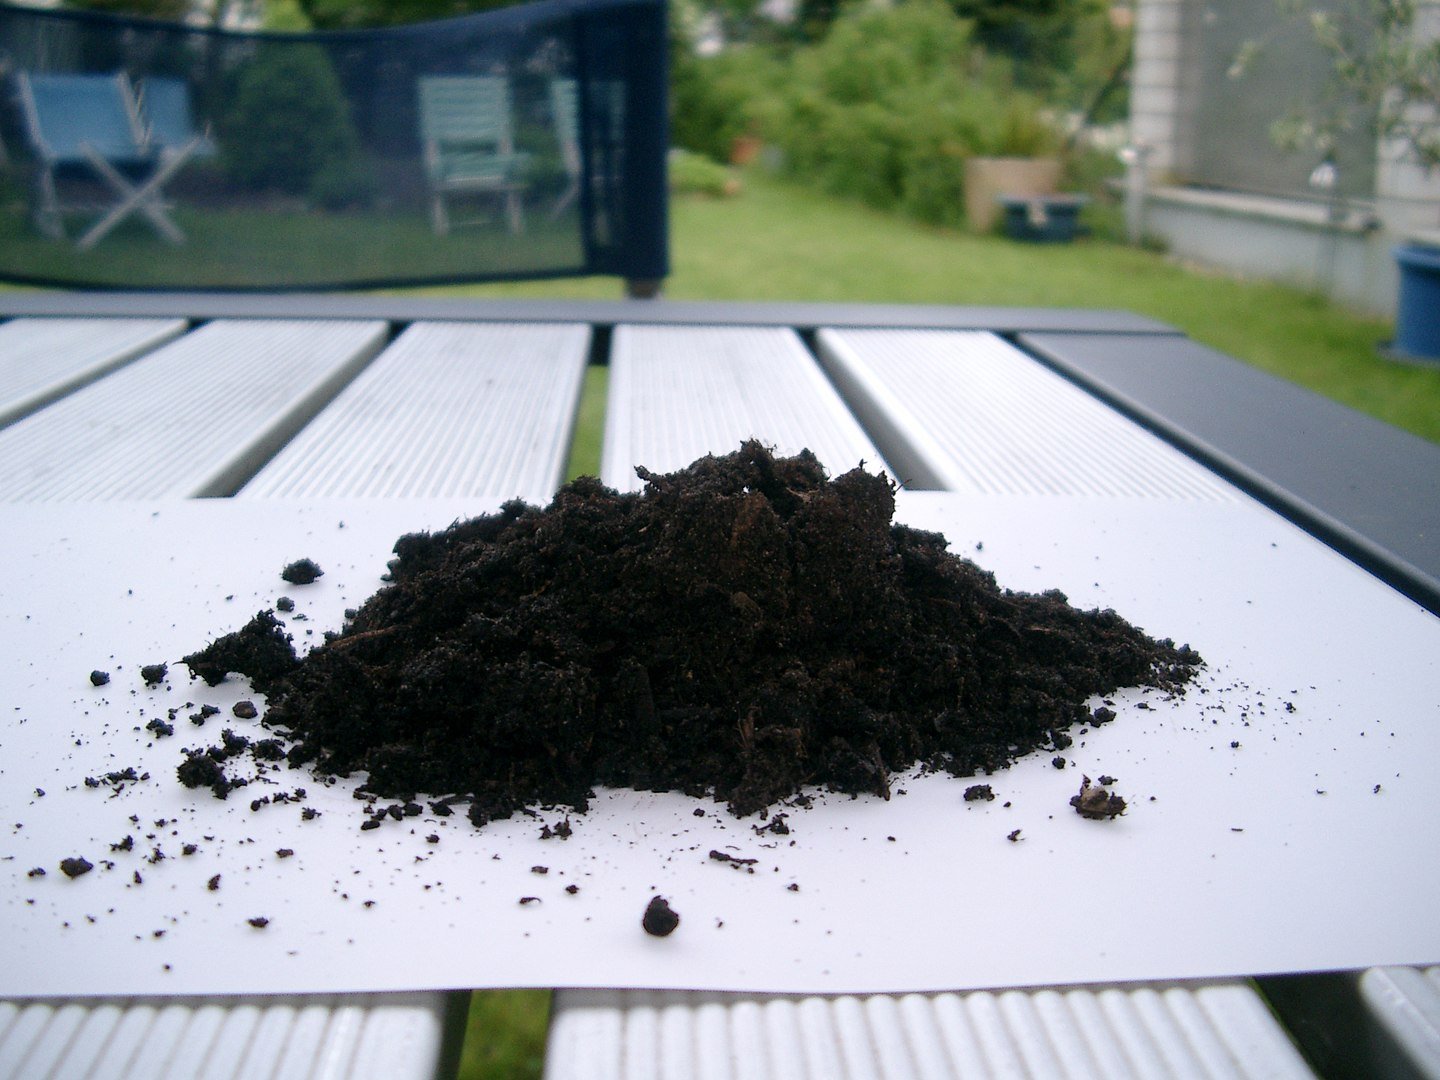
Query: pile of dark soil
(740, 628)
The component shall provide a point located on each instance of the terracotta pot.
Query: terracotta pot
(744, 149)
(986, 179)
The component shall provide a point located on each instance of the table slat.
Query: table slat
(42, 360)
(679, 393)
(195, 418)
(1108, 1033)
(449, 409)
(966, 411)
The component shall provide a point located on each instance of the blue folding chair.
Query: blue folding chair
(168, 122)
(92, 124)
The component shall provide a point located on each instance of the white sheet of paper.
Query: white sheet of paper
(1307, 845)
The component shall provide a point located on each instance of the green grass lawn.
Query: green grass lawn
(776, 242)
(267, 248)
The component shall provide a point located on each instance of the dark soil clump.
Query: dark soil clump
(302, 572)
(739, 629)
(660, 919)
(261, 650)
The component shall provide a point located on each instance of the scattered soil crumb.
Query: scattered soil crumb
(778, 825)
(738, 629)
(76, 865)
(979, 793)
(302, 572)
(99, 678)
(259, 922)
(734, 860)
(154, 674)
(1095, 802)
(659, 920)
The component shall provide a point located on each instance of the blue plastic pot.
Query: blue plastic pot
(1042, 219)
(1417, 315)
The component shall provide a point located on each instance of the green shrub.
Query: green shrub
(884, 109)
(695, 174)
(288, 122)
(344, 185)
(716, 99)
(887, 107)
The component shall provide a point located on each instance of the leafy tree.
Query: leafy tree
(169, 10)
(287, 124)
(1038, 35)
(1384, 79)
(359, 14)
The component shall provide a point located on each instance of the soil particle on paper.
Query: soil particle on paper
(302, 572)
(659, 920)
(1096, 802)
(738, 629)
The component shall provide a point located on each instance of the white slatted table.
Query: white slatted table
(235, 403)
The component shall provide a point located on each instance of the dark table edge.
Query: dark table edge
(404, 309)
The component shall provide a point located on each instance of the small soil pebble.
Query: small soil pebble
(75, 866)
(659, 919)
(302, 572)
(244, 710)
(99, 678)
(1095, 802)
(213, 884)
(259, 922)
(154, 674)
(284, 603)
(979, 793)
(738, 629)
